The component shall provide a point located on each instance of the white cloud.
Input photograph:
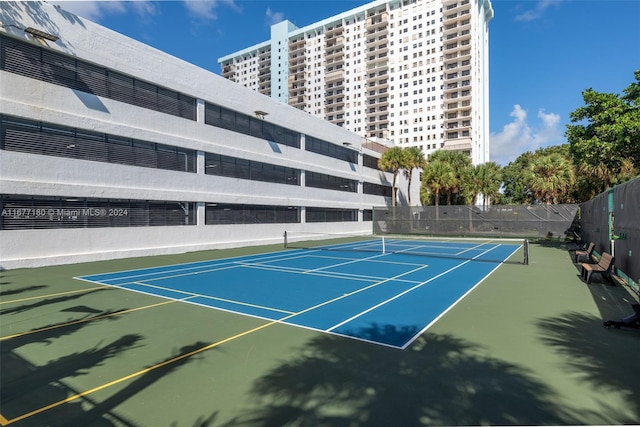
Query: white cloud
(273, 17)
(518, 137)
(538, 10)
(95, 10)
(206, 10)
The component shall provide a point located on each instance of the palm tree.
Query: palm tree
(460, 163)
(489, 178)
(437, 176)
(392, 160)
(550, 177)
(414, 159)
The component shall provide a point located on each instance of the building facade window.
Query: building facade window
(56, 68)
(218, 116)
(314, 214)
(330, 182)
(219, 213)
(319, 146)
(41, 212)
(28, 136)
(233, 167)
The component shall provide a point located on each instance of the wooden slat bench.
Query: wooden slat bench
(588, 253)
(603, 267)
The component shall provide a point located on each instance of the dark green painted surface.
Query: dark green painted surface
(525, 347)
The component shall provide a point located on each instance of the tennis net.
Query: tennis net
(513, 251)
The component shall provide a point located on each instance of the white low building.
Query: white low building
(110, 148)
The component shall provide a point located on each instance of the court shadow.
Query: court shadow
(29, 386)
(24, 384)
(604, 359)
(48, 301)
(154, 373)
(438, 380)
(21, 290)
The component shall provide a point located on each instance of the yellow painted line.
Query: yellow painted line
(137, 374)
(3, 421)
(55, 295)
(75, 322)
(200, 350)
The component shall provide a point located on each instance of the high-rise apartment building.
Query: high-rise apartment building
(413, 72)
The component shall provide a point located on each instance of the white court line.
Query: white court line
(362, 313)
(196, 295)
(170, 269)
(408, 343)
(333, 275)
(412, 246)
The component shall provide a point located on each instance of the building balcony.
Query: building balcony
(332, 76)
(264, 55)
(454, 142)
(380, 40)
(378, 121)
(382, 84)
(457, 8)
(296, 44)
(265, 90)
(297, 102)
(336, 103)
(265, 79)
(333, 31)
(335, 42)
(264, 71)
(334, 55)
(297, 55)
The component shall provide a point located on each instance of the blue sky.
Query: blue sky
(543, 53)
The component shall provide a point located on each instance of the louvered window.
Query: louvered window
(52, 140)
(219, 213)
(40, 212)
(38, 63)
(328, 149)
(331, 215)
(222, 117)
(233, 167)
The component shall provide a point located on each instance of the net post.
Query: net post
(286, 243)
(526, 252)
(384, 248)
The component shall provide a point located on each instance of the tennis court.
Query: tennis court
(362, 333)
(342, 288)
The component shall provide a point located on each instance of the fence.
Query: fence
(612, 221)
(535, 221)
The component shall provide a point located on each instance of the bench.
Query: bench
(588, 253)
(604, 267)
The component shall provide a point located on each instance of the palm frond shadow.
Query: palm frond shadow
(439, 380)
(604, 359)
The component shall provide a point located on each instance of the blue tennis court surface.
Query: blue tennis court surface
(384, 298)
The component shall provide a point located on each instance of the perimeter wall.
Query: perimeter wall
(612, 221)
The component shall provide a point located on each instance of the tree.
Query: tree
(606, 146)
(515, 188)
(487, 178)
(460, 164)
(516, 176)
(414, 159)
(392, 160)
(437, 175)
(550, 177)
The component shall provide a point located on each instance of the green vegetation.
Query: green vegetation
(603, 149)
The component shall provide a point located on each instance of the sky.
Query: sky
(543, 53)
